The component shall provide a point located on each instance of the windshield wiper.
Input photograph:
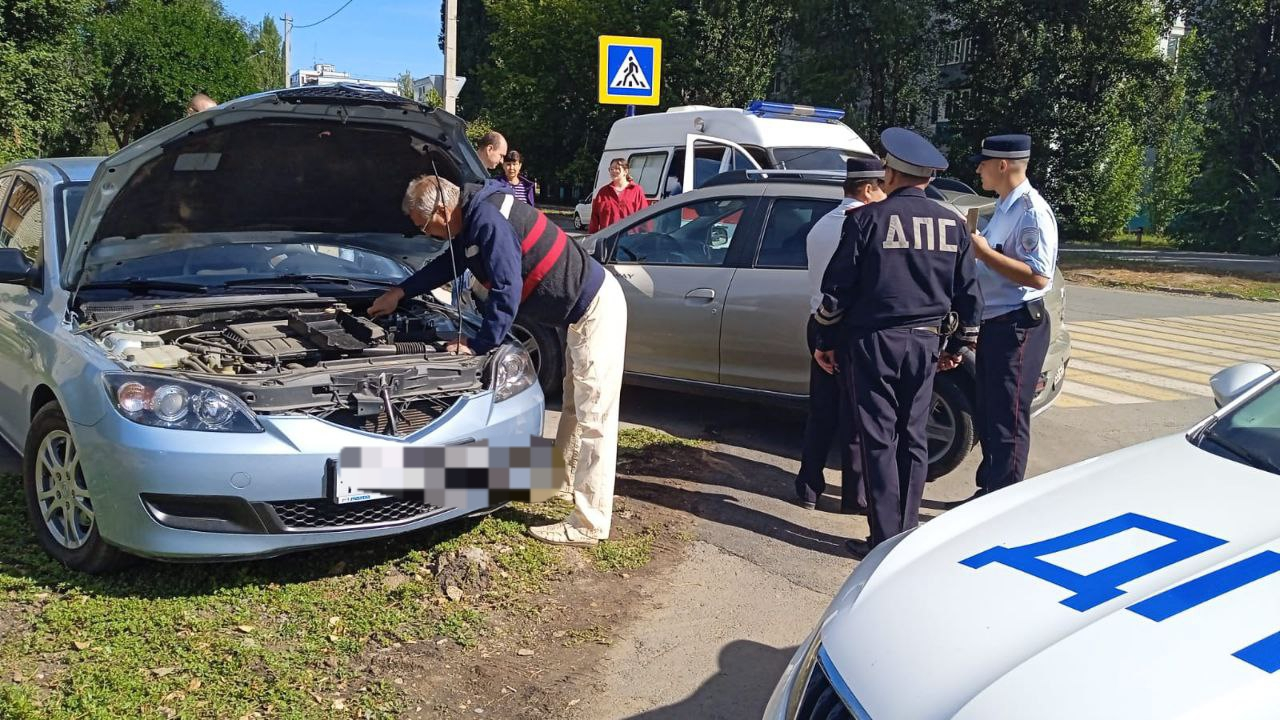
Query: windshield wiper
(303, 279)
(142, 285)
(1250, 457)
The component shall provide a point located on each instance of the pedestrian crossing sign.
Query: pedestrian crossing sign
(630, 70)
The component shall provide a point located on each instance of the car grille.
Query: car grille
(409, 419)
(821, 701)
(323, 514)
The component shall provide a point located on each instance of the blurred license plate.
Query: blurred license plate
(342, 490)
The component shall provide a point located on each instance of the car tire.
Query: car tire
(952, 427)
(577, 222)
(546, 349)
(51, 472)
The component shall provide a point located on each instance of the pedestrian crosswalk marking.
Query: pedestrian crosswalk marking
(1132, 361)
(1188, 337)
(1157, 345)
(1241, 333)
(630, 75)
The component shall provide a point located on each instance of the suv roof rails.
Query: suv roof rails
(816, 177)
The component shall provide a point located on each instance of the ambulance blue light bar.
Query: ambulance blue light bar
(768, 108)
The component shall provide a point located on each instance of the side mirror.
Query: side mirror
(16, 269)
(1229, 384)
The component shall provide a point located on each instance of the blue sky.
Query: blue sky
(372, 39)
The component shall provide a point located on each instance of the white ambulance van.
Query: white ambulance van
(682, 148)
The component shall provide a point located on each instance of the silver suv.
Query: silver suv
(717, 299)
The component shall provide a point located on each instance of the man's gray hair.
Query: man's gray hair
(426, 192)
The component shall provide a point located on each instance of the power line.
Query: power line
(335, 12)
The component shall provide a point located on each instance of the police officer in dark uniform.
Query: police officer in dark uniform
(829, 412)
(902, 266)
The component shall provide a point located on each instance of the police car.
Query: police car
(1140, 584)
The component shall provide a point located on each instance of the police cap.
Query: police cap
(1004, 147)
(864, 168)
(909, 153)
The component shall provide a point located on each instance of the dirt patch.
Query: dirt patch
(535, 656)
(1185, 281)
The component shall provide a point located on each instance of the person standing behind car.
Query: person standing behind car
(903, 265)
(492, 148)
(1016, 253)
(828, 405)
(529, 265)
(512, 181)
(617, 199)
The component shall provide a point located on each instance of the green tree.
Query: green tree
(404, 84)
(151, 56)
(1075, 76)
(873, 58)
(42, 76)
(1237, 65)
(533, 63)
(267, 55)
(1177, 147)
(715, 52)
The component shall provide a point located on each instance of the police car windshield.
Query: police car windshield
(809, 159)
(1251, 432)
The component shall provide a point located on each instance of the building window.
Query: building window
(957, 52)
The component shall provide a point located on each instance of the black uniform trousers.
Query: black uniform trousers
(829, 420)
(1011, 352)
(891, 387)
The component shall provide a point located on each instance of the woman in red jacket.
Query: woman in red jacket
(618, 199)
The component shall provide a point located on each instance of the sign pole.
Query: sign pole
(631, 110)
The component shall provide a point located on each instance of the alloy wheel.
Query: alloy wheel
(61, 493)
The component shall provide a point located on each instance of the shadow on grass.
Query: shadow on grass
(22, 561)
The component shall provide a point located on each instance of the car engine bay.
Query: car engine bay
(324, 358)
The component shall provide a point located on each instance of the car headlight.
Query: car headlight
(512, 372)
(178, 404)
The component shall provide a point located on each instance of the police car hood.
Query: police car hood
(331, 161)
(963, 618)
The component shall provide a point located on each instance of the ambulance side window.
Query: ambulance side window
(646, 170)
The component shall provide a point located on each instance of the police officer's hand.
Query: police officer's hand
(980, 245)
(949, 361)
(826, 360)
(386, 303)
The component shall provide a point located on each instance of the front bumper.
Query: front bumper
(176, 494)
(1054, 375)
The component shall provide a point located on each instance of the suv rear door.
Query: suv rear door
(763, 344)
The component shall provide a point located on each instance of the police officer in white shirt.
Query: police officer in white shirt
(1017, 253)
(828, 401)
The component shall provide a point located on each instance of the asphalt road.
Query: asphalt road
(719, 630)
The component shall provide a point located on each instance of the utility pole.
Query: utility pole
(450, 55)
(288, 40)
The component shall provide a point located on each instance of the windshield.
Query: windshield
(215, 265)
(810, 159)
(1250, 433)
(72, 197)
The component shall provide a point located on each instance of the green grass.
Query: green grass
(278, 637)
(1128, 241)
(633, 442)
(1135, 274)
(627, 553)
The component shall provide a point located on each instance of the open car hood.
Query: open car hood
(330, 160)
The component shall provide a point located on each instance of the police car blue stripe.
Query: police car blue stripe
(841, 687)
